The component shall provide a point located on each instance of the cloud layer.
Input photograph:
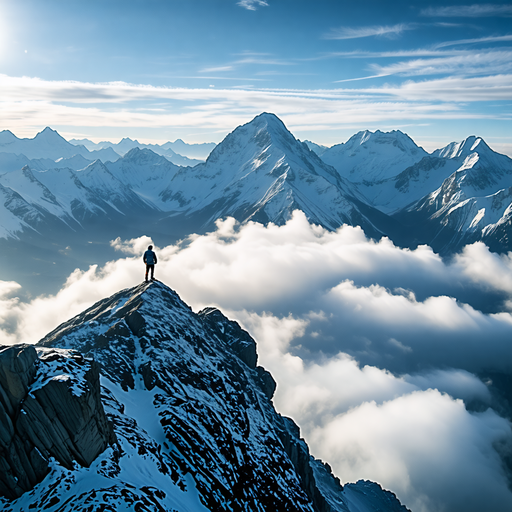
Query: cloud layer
(377, 350)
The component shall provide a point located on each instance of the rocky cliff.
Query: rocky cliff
(50, 407)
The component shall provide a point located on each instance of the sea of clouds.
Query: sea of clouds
(380, 353)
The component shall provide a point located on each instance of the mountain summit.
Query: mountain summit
(373, 156)
(261, 172)
(180, 418)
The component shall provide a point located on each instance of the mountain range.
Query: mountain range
(48, 150)
(138, 403)
(190, 152)
(260, 172)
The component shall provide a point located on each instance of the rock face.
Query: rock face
(49, 407)
(194, 428)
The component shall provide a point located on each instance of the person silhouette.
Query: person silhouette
(150, 260)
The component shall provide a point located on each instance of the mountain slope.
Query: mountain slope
(373, 157)
(72, 196)
(472, 203)
(192, 422)
(146, 173)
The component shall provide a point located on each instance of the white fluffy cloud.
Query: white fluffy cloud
(426, 447)
(375, 349)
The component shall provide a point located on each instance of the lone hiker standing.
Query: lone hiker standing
(150, 261)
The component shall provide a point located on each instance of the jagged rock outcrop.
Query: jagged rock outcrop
(49, 407)
(194, 428)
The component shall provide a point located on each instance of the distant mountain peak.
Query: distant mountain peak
(48, 132)
(144, 155)
(374, 156)
(50, 136)
(464, 148)
(6, 136)
(379, 136)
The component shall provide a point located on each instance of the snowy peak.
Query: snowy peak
(200, 151)
(50, 136)
(369, 157)
(253, 138)
(6, 137)
(463, 149)
(261, 172)
(395, 138)
(144, 157)
(48, 144)
(265, 144)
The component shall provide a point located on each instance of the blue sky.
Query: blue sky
(157, 70)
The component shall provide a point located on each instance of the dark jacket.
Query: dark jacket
(149, 257)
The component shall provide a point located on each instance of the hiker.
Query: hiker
(150, 261)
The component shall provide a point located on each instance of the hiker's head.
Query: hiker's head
(150, 247)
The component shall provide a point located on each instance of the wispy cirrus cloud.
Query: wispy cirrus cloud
(468, 11)
(216, 69)
(465, 63)
(455, 89)
(249, 58)
(252, 5)
(371, 31)
(490, 39)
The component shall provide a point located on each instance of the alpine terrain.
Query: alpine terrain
(141, 404)
(59, 210)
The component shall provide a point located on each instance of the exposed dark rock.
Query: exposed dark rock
(54, 409)
(17, 371)
(267, 382)
(240, 341)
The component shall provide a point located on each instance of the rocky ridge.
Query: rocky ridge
(154, 404)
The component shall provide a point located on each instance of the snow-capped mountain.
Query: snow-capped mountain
(10, 162)
(472, 203)
(199, 151)
(261, 172)
(178, 152)
(49, 144)
(70, 196)
(139, 403)
(372, 157)
(146, 173)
